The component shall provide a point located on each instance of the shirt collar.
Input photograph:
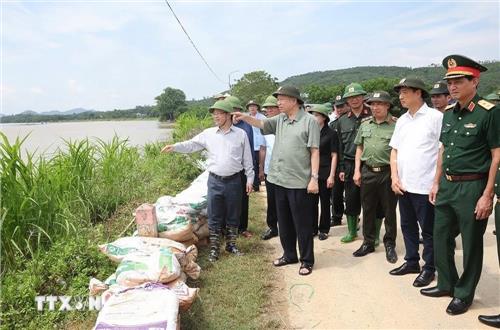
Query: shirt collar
(470, 106)
(424, 109)
(364, 113)
(387, 119)
(298, 117)
(230, 129)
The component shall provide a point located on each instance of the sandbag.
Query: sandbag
(145, 219)
(157, 266)
(150, 306)
(185, 294)
(200, 228)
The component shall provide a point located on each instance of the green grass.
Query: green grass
(234, 291)
(56, 211)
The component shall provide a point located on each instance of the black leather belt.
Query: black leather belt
(377, 169)
(224, 178)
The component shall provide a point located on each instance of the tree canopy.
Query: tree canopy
(170, 103)
(256, 85)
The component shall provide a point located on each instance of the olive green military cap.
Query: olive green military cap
(321, 109)
(234, 101)
(412, 82)
(353, 89)
(380, 96)
(221, 105)
(458, 66)
(440, 87)
(339, 100)
(270, 101)
(289, 91)
(252, 102)
(492, 97)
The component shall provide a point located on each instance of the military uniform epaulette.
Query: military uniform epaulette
(366, 119)
(449, 107)
(485, 104)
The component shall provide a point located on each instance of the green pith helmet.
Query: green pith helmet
(218, 96)
(289, 91)
(492, 97)
(458, 66)
(234, 101)
(440, 87)
(412, 82)
(328, 105)
(252, 102)
(339, 100)
(270, 101)
(322, 109)
(353, 89)
(380, 96)
(221, 105)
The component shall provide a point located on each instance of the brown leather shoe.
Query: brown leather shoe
(246, 234)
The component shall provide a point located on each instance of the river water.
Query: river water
(45, 138)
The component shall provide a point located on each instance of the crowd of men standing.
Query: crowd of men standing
(439, 163)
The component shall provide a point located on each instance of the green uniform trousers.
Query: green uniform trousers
(454, 214)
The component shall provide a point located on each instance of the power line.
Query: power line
(192, 43)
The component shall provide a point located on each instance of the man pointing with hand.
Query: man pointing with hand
(294, 172)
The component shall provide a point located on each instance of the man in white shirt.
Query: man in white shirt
(228, 154)
(415, 146)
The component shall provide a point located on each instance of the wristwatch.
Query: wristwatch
(314, 176)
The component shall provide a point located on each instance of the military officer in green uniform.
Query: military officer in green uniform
(463, 186)
(440, 97)
(347, 129)
(373, 174)
(337, 200)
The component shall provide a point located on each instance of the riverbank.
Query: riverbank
(56, 211)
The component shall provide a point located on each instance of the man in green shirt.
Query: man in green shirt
(462, 190)
(373, 174)
(294, 172)
(347, 128)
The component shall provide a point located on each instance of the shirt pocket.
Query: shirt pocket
(467, 137)
(366, 133)
(236, 152)
(445, 131)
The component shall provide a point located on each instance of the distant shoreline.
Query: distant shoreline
(162, 124)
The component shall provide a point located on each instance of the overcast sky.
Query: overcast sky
(103, 55)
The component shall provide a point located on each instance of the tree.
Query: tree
(256, 85)
(170, 103)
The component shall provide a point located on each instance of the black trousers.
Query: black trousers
(338, 198)
(415, 210)
(256, 180)
(272, 216)
(324, 217)
(224, 202)
(377, 197)
(352, 191)
(295, 220)
(244, 203)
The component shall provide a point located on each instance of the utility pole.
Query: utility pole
(229, 79)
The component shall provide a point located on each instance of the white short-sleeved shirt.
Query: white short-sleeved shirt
(416, 140)
(258, 139)
(269, 143)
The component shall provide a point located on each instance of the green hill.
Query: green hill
(490, 80)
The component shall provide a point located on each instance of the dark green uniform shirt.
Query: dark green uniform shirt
(347, 128)
(467, 135)
(375, 138)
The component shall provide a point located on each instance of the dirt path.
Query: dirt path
(358, 293)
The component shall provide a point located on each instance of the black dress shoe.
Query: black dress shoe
(435, 292)
(268, 234)
(322, 236)
(457, 306)
(364, 250)
(390, 254)
(424, 278)
(405, 269)
(491, 320)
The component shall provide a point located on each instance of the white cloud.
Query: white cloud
(36, 90)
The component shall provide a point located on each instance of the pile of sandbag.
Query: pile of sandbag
(148, 288)
(182, 218)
